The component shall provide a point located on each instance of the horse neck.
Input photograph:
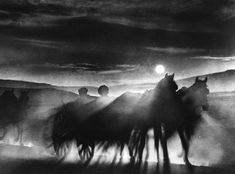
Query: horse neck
(195, 105)
(165, 94)
(23, 98)
(198, 96)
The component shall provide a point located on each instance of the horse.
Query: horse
(22, 106)
(187, 105)
(87, 125)
(68, 116)
(124, 121)
(8, 111)
(110, 126)
(155, 110)
(196, 102)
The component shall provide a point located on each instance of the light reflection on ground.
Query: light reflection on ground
(205, 148)
(112, 155)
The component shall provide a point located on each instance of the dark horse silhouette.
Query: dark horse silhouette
(123, 121)
(79, 122)
(185, 113)
(105, 122)
(11, 112)
(156, 112)
(110, 126)
(66, 118)
(22, 113)
(8, 105)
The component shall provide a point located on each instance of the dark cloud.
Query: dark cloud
(70, 74)
(221, 58)
(87, 30)
(172, 50)
(114, 41)
(189, 15)
(30, 7)
(83, 68)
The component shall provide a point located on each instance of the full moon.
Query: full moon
(159, 69)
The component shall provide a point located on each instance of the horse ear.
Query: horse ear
(166, 75)
(197, 79)
(173, 75)
(205, 80)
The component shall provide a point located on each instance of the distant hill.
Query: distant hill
(42, 95)
(17, 84)
(217, 82)
(22, 84)
(92, 89)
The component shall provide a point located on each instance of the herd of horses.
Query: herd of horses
(125, 121)
(105, 122)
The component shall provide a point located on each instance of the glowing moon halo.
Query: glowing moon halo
(159, 69)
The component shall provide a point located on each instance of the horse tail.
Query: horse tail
(56, 129)
(60, 129)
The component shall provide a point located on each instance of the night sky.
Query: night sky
(91, 42)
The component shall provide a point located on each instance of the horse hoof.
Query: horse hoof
(166, 160)
(189, 165)
(132, 160)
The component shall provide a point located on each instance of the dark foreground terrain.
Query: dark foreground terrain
(42, 166)
(34, 160)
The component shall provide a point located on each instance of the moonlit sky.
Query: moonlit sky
(91, 42)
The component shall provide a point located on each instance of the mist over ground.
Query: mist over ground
(212, 144)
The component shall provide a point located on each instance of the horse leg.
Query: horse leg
(89, 153)
(185, 145)
(143, 134)
(147, 147)
(129, 144)
(122, 145)
(16, 130)
(3, 133)
(157, 132)
(163, 141)
(85, 151)
(130, 153)
(19, 129)
(92, 150)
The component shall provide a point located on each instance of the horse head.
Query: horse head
(199, 92)
(168, 82)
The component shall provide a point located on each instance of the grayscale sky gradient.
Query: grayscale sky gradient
(89, 42)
